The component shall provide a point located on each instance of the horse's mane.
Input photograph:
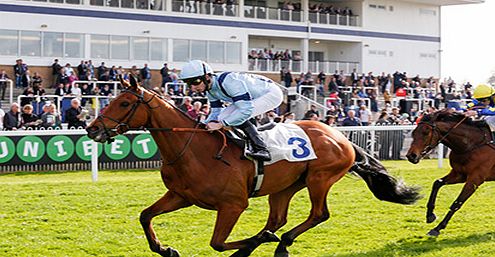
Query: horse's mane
(447, 115)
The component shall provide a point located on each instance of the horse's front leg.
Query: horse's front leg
(452, 178)
(227, 216)
(168, 203)
(468, 190)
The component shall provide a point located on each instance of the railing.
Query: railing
(274, 65)
(59, 1)
(10, 85)
(332, 66)
(260, 12)
(187, 6)
(97, 82)
(334, 19)
(157, 5)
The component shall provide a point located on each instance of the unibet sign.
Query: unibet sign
(31, 149)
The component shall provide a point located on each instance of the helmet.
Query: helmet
(483, 91)
(195, 69)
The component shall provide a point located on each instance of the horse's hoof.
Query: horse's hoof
(430, 218)
(434, 232)
(170, 252)
(281, 254)
(241, 253)
(281, 251)
(268, 236)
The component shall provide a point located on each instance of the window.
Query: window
(9, 42)
(159, 49)
(74, 45)
(119, 47)
(181, 50)
(53, 44)
(216, 51)
(233, 53)
(140, 48)
(30, 43)
(198, 50)
(100, 46)
(316, 56)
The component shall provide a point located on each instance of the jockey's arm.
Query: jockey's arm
(489, 111)
(242, 101)
(216, 107)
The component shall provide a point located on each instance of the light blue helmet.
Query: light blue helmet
(195, 69)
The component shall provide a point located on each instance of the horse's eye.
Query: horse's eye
(124, 104)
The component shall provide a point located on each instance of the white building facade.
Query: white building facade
(380, 35)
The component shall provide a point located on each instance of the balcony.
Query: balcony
(260, 12)
(332, 66)
(274, 65)
(205, 8)
(334, 19)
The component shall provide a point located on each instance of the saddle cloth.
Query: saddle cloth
(288, 142)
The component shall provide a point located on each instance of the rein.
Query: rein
(434, 127)
(122, 126)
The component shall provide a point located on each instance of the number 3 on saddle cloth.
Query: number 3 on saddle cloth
(284, 141)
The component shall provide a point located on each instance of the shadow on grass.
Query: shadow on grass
(414, 246)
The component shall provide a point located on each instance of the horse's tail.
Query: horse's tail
(381, 184)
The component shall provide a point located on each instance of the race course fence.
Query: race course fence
(67, 150)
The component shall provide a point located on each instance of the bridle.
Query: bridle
(122, 126)
(434, 128)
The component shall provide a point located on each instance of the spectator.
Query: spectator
(351, 119)
(27, 96)
(289, 117)
(68, 70)
(330, 120)
(101, 70)
(3, 84)
(288, 79)
(165, 74)
(312, 110)
(146, 76)
(19, 69)
(364, 115)
(195, 111)
(26, 79)
(106, 91)
(60, 91)
(50, 118)
(75, 115)
(321, 78)
(186, 105)
(75, 90)
(29, 120)
(37, 80)
(12, 119)
(55, 72)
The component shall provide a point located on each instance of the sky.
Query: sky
(468, 42)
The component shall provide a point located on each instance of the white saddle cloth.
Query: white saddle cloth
(288, 142)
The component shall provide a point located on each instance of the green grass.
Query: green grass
(65, 214)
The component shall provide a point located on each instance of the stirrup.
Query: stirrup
(262, 155)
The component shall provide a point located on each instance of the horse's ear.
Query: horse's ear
(125, 83)
(134, 81)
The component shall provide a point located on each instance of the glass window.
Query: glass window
(73, 1)
(30, 43)
(96, 2)
(74, 45)
(53, 44)
(233, 52)
(9, 42)
(216, 51)
(127, 3)
(158, 49)
(120, 47)
(198, 50)
(140, 48)
(100, 46)
(181, 50)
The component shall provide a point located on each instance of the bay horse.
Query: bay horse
(471, 156)
(194, 177)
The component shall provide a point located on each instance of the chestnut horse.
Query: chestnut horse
(193, 177)
(471, 157)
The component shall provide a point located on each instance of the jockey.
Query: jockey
(483, 105)
(250, 95)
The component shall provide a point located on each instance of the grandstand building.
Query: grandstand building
(379, 35)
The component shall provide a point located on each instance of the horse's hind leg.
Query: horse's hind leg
(451, 178)
(318, 186)
(279, 205)
(168, 203)
(468, 190)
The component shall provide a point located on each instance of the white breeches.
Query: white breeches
(490, 120)
(269, 101)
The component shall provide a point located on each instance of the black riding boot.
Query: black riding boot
(259, 151)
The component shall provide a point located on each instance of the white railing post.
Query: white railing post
(290, 15)
(94, 162)
(338, 19)
(440, 155)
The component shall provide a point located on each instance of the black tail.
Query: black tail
(383, 186)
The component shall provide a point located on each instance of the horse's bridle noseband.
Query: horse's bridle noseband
(434, 128)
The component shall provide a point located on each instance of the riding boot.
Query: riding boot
(259, 151)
